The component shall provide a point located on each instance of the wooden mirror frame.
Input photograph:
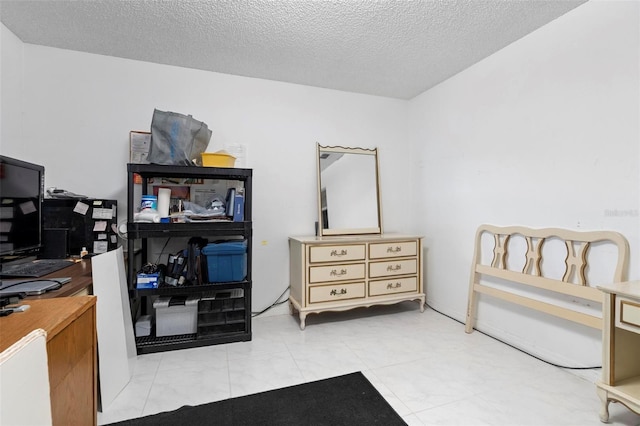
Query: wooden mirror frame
(375, 181)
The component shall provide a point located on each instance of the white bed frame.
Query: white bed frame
(573, 283)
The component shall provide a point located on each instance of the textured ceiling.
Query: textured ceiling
(389, 48)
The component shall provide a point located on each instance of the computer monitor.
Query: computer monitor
(21, 195)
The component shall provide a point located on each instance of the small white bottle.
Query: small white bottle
(83, 252)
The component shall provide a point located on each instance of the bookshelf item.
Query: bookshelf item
(223, 313)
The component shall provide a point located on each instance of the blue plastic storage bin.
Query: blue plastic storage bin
(226, 261)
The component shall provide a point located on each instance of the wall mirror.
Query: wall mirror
(348, 191)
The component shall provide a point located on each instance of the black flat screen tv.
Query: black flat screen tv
(21, 196)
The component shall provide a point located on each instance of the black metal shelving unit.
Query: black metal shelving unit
(224, 312)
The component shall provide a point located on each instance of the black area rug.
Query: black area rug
(344, 400)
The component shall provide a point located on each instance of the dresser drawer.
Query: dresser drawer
(398, 285)
(396, 249)
(393, 267)
(336, 292)
(628, 314)
(346, 272)
(336, 253)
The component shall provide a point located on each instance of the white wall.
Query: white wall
(544, 133)
(77, 110)
(11, 78)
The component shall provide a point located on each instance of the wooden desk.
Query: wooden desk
(70, 323)
(81, 282)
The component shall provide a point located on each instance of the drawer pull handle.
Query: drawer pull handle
(335, 292)
(337, 253)
(396, 249)
(392, 286)
(394, 268)
(335, 273)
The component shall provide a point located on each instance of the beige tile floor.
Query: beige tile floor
(424, 364)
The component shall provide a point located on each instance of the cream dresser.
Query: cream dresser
(346, 272)
(621, 347)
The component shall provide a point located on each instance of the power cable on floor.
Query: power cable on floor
(514, 347)
(274, 304)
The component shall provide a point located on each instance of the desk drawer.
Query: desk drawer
(397, 249)
(393, 267)
(337, 253)
(348, 272)
(398, 285)
(336, 292)
(628, 314)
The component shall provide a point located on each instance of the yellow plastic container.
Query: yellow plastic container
(218, 159)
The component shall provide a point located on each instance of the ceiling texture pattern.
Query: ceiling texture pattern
(395, 49)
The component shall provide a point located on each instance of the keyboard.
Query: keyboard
(35, 268)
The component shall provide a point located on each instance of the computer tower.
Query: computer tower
(89, 222)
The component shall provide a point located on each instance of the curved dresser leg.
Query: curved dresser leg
(423, 302)
(604, 407)
(292, 310)
(303, 317)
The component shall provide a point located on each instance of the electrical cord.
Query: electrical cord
(278, 302)
(149, 268)
(514, 347)
(273, 305)
(162, 251)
